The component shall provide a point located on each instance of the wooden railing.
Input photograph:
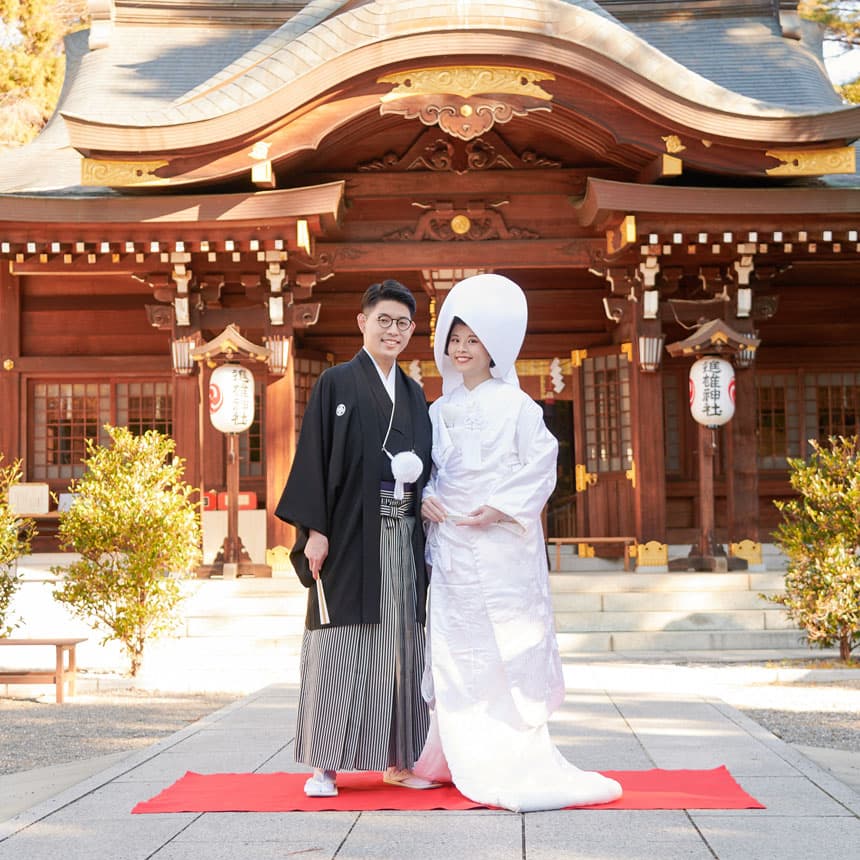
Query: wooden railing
(561, 517)
(626, 542)
(560, 528)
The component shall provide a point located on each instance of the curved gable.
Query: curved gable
(327, 66)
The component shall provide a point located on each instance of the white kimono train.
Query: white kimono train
(493, 673)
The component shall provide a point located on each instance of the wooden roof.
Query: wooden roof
(649, 108)
(161, 87)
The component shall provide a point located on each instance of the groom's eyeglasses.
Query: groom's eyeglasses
(402, 323)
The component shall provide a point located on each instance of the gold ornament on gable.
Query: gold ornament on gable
(465, 101)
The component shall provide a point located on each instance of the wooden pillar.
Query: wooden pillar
(280, 449)
(186, 425)
(744, 503)
(649, 494)
(707, 545)
(10, 352)
(580, 455)
(232, 548)
(649, 446)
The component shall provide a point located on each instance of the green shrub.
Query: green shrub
(16, 533)
(137, 531)
(820, 535)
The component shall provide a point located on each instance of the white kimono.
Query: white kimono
(493, 674)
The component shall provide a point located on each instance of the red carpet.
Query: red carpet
(282, 792)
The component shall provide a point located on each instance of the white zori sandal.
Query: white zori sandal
(321, 784)
(407, 779)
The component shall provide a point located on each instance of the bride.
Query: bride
(493, 672)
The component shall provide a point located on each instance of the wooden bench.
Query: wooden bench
(64, 671)
(624, 540)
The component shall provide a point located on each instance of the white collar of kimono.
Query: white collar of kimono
(495, 308)
(388, 381)
(406, 466)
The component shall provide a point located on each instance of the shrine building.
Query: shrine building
(641, 169)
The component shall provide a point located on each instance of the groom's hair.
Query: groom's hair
(387, 289)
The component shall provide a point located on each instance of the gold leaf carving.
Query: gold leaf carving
(652, 554)
(442, 223)
(121, 174)
(465, 101)
(461, 224)
(673, 143)
(812, 162)
(467, 81)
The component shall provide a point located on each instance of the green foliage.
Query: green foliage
(15, 537)
(137, 531)
(820, 535)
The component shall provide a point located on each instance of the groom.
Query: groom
(360, 704)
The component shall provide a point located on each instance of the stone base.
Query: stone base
(713, 563)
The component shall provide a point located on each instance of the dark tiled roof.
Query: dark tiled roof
(747, 56)
(142, 69)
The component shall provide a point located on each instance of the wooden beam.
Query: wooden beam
(621, 237)
(498, 254)
(662, 166)
(201, 264)
(344, 346)
(126, 365)
(385, 185)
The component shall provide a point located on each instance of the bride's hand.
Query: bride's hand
(483, 516)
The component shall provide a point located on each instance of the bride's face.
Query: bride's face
(468, 355)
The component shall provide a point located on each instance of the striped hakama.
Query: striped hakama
(360, 703)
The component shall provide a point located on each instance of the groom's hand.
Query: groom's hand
(316, 550)
(432, 510)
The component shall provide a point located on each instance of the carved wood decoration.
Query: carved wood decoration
(325, 264)
(160, 316)
(465, 101)
(432, 152)
(443, 222)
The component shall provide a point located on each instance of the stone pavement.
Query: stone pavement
(616, 716)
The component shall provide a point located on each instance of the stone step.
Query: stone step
(713, 601)
(573, 612)
(571, 644)
(190, 661)
(623, 622)
(659, 601)
(244, 626)
(249, 605)
(596, 582)
(251, 621)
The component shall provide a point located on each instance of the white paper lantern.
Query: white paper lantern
(231, 398)
(712, 391)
